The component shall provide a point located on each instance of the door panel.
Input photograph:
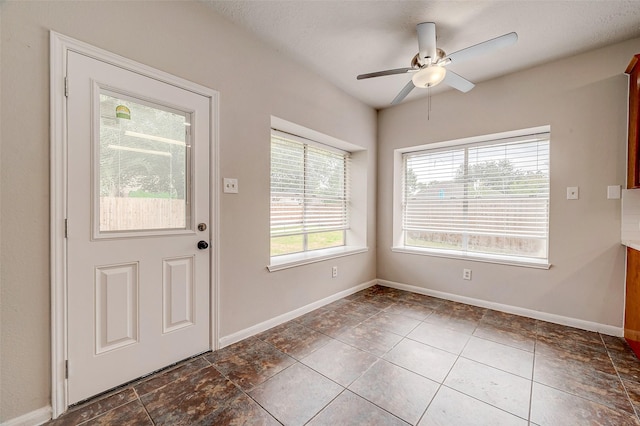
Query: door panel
(138, 180)
(116, 307)
(178, 293)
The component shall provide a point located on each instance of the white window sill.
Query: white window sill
(297, 259)
(487, 258)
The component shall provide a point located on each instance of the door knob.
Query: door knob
(203, 245)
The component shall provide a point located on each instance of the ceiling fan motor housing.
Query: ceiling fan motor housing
(418, 62)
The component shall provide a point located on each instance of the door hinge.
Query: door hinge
(66, 86)
(66, 368)
(66, 228)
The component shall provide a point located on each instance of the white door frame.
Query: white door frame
(60, 45)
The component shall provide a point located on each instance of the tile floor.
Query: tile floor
(388, 357)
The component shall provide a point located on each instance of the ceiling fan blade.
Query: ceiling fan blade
(403, 93)
(427, 41)
(386, 72)
(457, 82)
(483, 48)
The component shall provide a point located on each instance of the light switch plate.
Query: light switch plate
(613, 192)
(230, 185)
(572, 193)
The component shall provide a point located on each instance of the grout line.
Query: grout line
(144, 407)
(624, 387)
(533, 371)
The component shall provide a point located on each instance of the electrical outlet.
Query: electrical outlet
(466, 274)
(334, 272)
(230, 185)
(573, 193)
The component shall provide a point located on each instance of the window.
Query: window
(488, 199)
(309, 195)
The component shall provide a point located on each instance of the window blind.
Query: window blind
(489, 198)
(309, 189)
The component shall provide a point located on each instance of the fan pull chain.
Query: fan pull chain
(428, 102)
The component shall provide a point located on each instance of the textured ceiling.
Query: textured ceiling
(341, 39)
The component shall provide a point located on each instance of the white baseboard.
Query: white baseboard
(544, 316)
(265, 325)
(33, 418)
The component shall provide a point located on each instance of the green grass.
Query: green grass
(295, 243)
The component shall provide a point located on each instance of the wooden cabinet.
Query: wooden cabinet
(633, 168)
(632, 301)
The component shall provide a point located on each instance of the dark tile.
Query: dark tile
(409, 309)
(378, 296)
(422, 359)
(455, 321)
(633, 390)
(576, 354)
(582, 379)
(370, 339)
(232, 350)
(462, 310)
(242, 411)
(295, 339)
(576, 350)
(509, 321)
(335, 305)
(310, 316)
(452, 408)
(331, 323)
(352, 409)
(440, 337)
(340, 362)
(378, 302)
(550, 406)
(400, 392)
(521, 339)
(163, 378)
(628, 366)
(357, 295)
(506, 358)
(427, 301)
(131, 414)
(398, 324)
(94, 408)
(253, 365)
(383, 291)
(360, 310)
(616, 344)
(296, 394)
(488, 383)
(190, 399)
(495, 387)
(562, 332)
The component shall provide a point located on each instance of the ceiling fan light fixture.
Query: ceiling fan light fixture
(429, 76)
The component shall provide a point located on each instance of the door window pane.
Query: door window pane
(142, 166)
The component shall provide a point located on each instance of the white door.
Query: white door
(138, 265)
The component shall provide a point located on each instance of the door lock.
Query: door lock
(202, 227)
(203, 245)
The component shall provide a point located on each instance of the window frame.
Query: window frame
(399, 246)
(308, 146)
(356, 235)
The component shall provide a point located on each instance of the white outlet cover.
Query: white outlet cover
(230, 185)
(573, 192)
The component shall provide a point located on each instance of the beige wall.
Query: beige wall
(583, 98)
(255, 82)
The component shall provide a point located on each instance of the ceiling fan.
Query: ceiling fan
(428, 66)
